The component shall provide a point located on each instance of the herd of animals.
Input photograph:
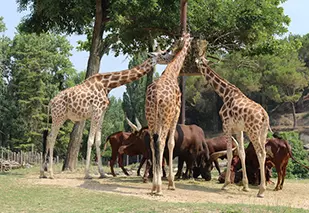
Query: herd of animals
(163, 137)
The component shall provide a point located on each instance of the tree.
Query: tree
(34, 69)
(134, 97)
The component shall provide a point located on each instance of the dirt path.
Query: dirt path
(294, 194)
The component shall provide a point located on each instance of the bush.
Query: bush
(294, 169)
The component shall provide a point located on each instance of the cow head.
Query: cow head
(136, 139)
(206, 165)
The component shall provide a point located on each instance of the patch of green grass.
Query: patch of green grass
(19, 195)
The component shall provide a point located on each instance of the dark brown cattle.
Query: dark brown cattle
(278, 152)
(189, 144)
(138, 144)
(217, 147)
(116, 140)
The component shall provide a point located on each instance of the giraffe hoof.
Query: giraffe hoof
(88, 177)
(51, 177)
(43, 176)
(245, 189)
(260, 195)
(225, 188)
(159, 194)
(171, 188)
(102, 176)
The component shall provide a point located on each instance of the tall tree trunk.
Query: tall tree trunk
(294, 115)
(183, 26)
(95, 56)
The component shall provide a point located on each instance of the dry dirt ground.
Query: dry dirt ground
(294, 194)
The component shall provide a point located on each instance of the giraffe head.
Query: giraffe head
(161, 57)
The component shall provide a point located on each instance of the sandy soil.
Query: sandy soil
(294, 194)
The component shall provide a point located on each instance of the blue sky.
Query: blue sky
(297, 10)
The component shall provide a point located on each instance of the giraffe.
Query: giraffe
(239, 114)
(90, 100)
(162, 112)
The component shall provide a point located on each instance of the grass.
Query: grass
(19, 195)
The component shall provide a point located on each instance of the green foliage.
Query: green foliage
(134, 97)
(131, 25)
(294, 170)
(34, 68)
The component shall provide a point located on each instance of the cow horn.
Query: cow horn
(216, 155)
(236, 145)
(139, 126)
(134, 128)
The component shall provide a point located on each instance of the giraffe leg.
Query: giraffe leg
(171, 145)
(98, 151)
(93, 128)
(229, 162)
(51, 139)
(154, 173)
(242, 156)
(261, 154)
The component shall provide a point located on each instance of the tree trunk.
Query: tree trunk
(183, 27)
(294, 115)
(70, 161)
(182, 117)
(95, 56)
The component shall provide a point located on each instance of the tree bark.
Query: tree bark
(95, 56)
(183, 26)
(294, 115)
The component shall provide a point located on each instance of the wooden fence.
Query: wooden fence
(17, 159)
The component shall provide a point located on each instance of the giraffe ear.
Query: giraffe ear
(152, 54)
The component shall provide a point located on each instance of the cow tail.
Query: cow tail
(290, 153)
(106, 142)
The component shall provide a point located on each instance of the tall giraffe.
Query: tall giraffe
(162, 112)
(90, 100)
(239, 114)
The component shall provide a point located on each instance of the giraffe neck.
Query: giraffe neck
(108, 81)
(174, 67)
(221, 86)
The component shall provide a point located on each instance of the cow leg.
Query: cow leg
(112, 163)
(283, 174)
(147, 171)
(242, 156)
(217, 166)
(180, 167)
(189, 164)
(279, 172)
(120, 163)
(140, 166)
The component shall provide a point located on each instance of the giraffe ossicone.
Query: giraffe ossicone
(90, 100)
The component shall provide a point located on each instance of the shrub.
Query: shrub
(294, 170)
